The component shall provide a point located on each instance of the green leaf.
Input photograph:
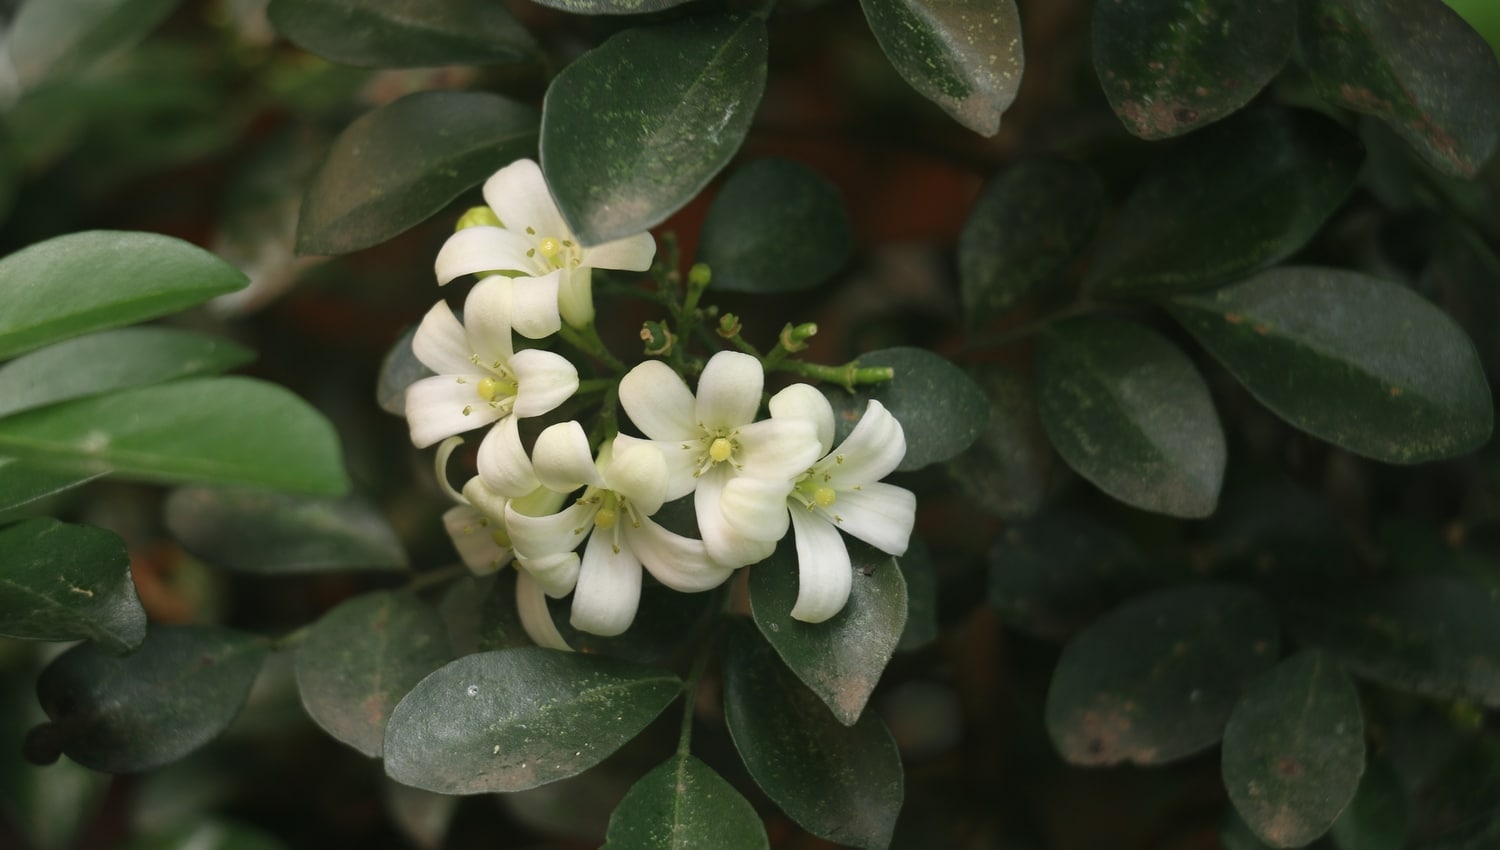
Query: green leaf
(1155, 680)
(1413, 64)
(203, 833)
(963, 55)
(179, 691)
(22, 484)
(112, 360)
(1239, 196)
(1004, 473)
(84, 282)
(190, 430)
(404, 33)
(1029, 226)
(49, 37)
(1168, 68)
(841, 659)
(262, 531)
(399, 370)
(662, 618)
(513, 719)
(634, 129)
(941, 410)
(394, 167)
(1128, 411)
(776, 226)
(497, 620)
(68, 582)
(921, 597)
(1362, 363)
(841, 783)
(362, 657)
(1376, 819)
(682, 803)
(1294, 750)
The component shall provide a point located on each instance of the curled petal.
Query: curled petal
(632, 253)
(539, 502)
(682, 463)
(878, 513)
(678, 562)
(519, 196)
(659, 402)
(441, 343)
(802, 401)
(502, 461)
(537, 537)
(485, 500)
(533, 304)
(531, 605)
(756, 507)
(638, 472)
(777, 448)
(824, 574)
(555, 574)
(562, 458)
(543, 381)
(729, 391)
(473, 535)
(727, 547)
(575, 296)
(871, 451)
(487, 321)
(444, 405)
(609, 587)
(474, 250)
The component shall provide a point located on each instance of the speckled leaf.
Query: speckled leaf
(23, 483)
(1155, 680)
(513, 719)
(404, 33)
(179, 691)
(1005, 471)
(1169, 67)
(682, 804)
(1237, 197)
(941, 410)
(394, 167)
(841, 783)
(963, 55)
(51, 37)
(634, 129)
(1294, 749)
(1414, 64)
(1362, 363)
(1128, 411)
(68, 582)
(362, 657)
(1377, 817)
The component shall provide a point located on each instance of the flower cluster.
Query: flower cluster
(752, 480)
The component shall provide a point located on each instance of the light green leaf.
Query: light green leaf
(404, 33)
(22, 484)
(68, 582)
(49, 37)
(682, 803)
(941, 410)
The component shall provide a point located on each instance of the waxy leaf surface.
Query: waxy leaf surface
(682, 803)
(941, 410)
(23, 483)
(68, 582)
(404, 33)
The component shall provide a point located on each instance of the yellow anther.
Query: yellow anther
(606, 518)
(825, 496)
(720, 449)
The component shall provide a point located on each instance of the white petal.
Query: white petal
(485, 249)
(444, 405)
(756, 507)
(518, 194)
(878, 513)
(543, 381)
(472, 534)
(502, 460)
(556, 574)
(562, 458)
(678, 562)
(441, 343)
(729, 391)
(533, 305)
(575, 296)
(609, 588)
(824, 574)
(531, 605)
(637, 471)
(727, 547)
(871, 451)
(538, 537)
(485, 500)
(777, 448)
(659, 402)
(681, 464)
(802, 401)
(632, 253)
(487, 321)
(539, 502)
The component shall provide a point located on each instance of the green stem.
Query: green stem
(596, 385)
(431, 578)
(848, 376)
(690, 695)
(586, 340)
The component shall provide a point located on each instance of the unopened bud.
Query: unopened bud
(699, 275)
(657, 337)
(729, 325)
(477, 217)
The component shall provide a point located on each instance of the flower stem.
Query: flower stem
(848, 376)
(586, 339)
(690, 694)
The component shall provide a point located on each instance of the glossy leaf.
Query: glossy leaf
(634, 129)
(50, 37)
(179, 691)
(775, 226)
(941, 410)
(1362, 363)
(1030, 224)
(112, 360)
(842, 658)
(1235, 198)
(23, 483)
(1004, 473)
(1128, 411)
(68, 582)
(189, 430)
(82, 282)
(965, 56)
(1414, 64)
(841, 783)
(1377, 818)
(404, 33)
(396, 166)
(513, 719)
(682, 803)
(1171, 67)
(362, 657)
(1294, 750)
(1155, 679)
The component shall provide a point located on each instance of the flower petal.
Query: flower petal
(637, 471)
(531, 605)
(562, 458)
(632, 253)
(444, 405)
(472, 534)
(681, 463)
(502, 460)
(659, 402)
(557, 574)
(519, 196)
(487, 321)
(727, 547)
(575, 296)
(729, 391)
(777, 448)
(756, 507)
(441, 343)
(802, 401)
(474, 250)
(543, 381)
(538, 537)
(486, 501)
(533, 305)
(878, 513)
(824, 574)
(609, 587)
(678, 562)
(871, 451)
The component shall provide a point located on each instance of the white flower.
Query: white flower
(481, 379)
(535, 244)
(713, 439)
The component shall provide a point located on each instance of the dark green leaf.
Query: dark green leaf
(1155, 680)
(362, 657)
(262, 531)
(841, 659)
(497, 620)
(24, 483)
(396, 166)
(399, 370)
(518, 718)
(1365, 364)
(776, 226)
(208, 834)
(921, 597)
(84, 282)
(663, 617)
(190, 430)
(1294, 750)
(173, 695)
(1170, 67)
(1237, 197)
(1031, 223)
(48, 37)
(67, 582)
(841, 783)
(1129, 412)
(941, 410)
(634, 129)
(1415, 65)
(1005, 471)
(1376, 819)
(404, 33)
(112, 360)
(680, 804)
(610, 7)
(963, 55)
